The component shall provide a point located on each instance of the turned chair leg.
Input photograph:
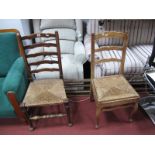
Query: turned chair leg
(68, 111)
(135, 108)
(28, 121)
(31, 127)
(98, 111)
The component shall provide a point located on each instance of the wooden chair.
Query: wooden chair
(114, 91)
(45, 92)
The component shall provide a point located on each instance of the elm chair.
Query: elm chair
(13, 78)
(46, 92)
(111, 92)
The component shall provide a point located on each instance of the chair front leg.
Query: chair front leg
(135, 108)
(68, 111)
(98, 112)
(91, 93)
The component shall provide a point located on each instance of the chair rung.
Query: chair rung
(106, 48)
(44, 62)
(36, 35)
(45, 69)
(40, 45)
(107, 60)
(40, 54)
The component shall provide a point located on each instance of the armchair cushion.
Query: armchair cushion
(34, 51)
(57, 23)
(16, 80)
(64, 34)
(87, 44)
(35, 59)
(72, 53)
(8, 53)
(79, 52)
(5, 108)
(142, 52)
(69, 67)
(79, 29)
(66, 46)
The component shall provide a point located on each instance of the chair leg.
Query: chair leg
(31, 127)
(98, 111)
(135, 108)
(28, 121)
(68, 111)
(91, 94)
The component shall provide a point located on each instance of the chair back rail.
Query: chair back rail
(44, 53)
(55, 37)
(40, 45)
(122, 48)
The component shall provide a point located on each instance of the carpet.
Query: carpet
(111, 123)
(148, 105)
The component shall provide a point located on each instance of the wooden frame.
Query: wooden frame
(11, 95)
(94, 38)
(123, 103)
(34, 45)
(44, 53)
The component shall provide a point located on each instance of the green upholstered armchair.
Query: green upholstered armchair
(13, 77)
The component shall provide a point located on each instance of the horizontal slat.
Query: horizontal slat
(107, 48)
(77, 85)
(37, 35)
(44, 62)
(111, 35)
(77, 92)
(107, 60)
(45, 69)
(40, 45)
(77, 81)
(41, 53)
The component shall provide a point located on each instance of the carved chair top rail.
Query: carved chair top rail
(111, 34)
(38, 35)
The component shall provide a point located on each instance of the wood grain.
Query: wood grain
(111, 92)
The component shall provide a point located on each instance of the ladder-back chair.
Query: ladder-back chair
(45, 92)
(114, 91)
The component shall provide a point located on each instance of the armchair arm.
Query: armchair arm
(79, 52)
(87, 44)
(16, 80)
(79, 29)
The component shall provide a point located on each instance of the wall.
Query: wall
(22, 25)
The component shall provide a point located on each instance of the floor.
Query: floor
(111, 123)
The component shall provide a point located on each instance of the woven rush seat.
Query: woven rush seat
(111, 92)
(113, 89)
(45, 92)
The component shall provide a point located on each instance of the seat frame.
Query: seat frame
(100, 107)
